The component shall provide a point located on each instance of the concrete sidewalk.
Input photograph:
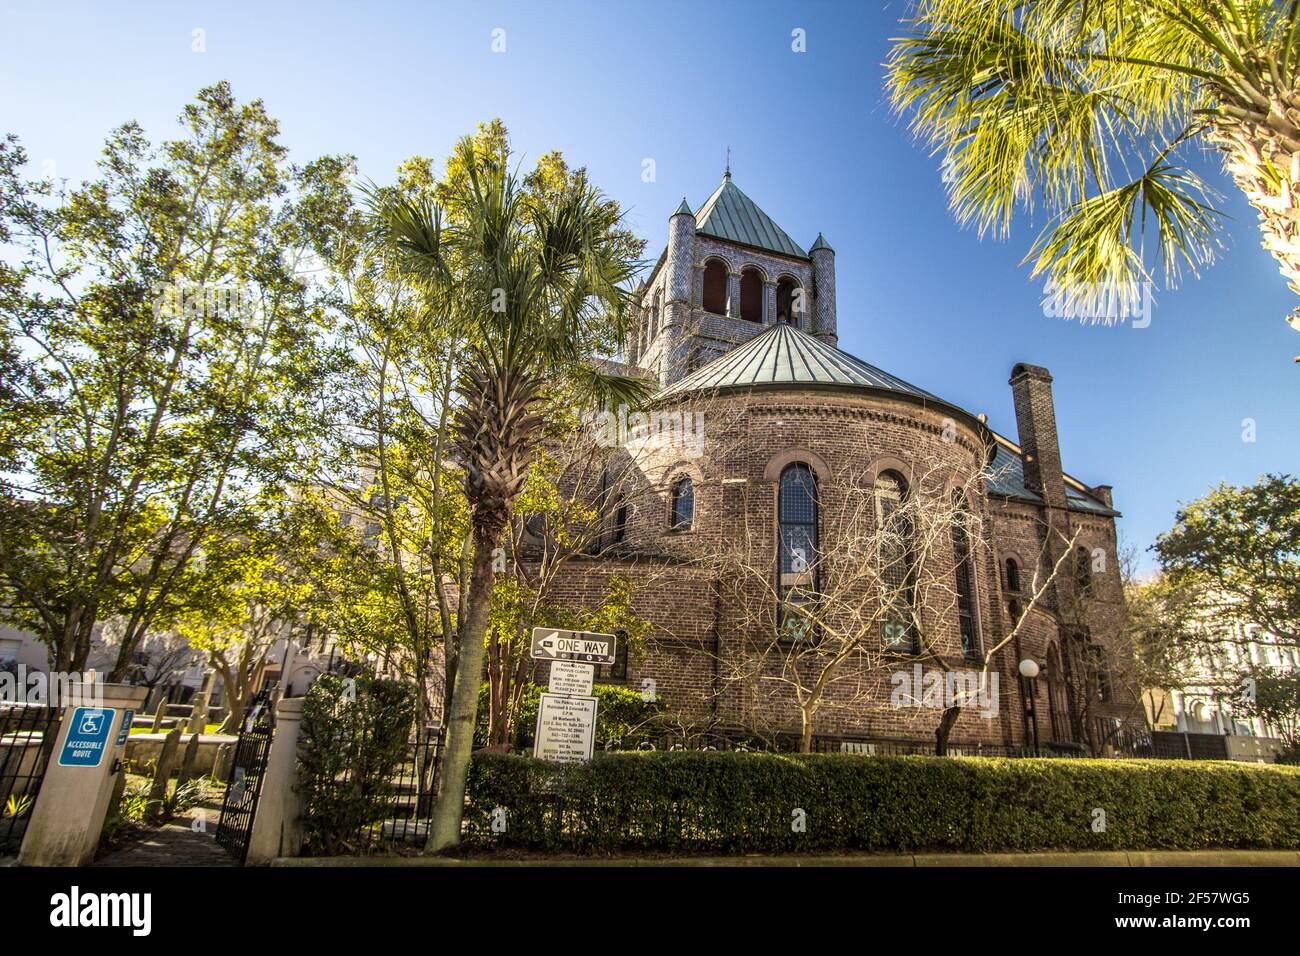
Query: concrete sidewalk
(1115, 858)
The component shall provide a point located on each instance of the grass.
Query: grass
(207, 729)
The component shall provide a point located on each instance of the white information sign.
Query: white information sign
(566, 728)
(571, 678)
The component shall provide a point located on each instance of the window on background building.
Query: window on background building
(683, 505)
(797, 550)
(1013, 575)
(964, 583)
(785, 301)
(715, 287)
(9, 648)
(898, 575)
(751, 295)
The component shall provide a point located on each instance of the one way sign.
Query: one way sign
(550, 644)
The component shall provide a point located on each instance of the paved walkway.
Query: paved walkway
(176, 843)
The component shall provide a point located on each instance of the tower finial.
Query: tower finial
(726, 174)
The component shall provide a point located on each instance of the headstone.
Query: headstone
(188, 761)
(199, 715)
(221, 764)
(162, 773)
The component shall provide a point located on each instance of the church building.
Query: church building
(738, 324)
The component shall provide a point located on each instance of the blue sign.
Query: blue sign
(128, 716)
(87, 739)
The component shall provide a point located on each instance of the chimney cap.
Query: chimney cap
(1023, 369)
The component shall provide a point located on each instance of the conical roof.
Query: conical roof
(731, 215)
(783, 355)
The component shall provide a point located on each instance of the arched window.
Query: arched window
(1082, 570)
(1013, 575)
(897, 574)
(715, 287)
(964, 582)
(619, 531)
(751, 295)
(797, 549)
(787, 308)
(683, 505)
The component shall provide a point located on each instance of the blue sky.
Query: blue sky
(1156, 412)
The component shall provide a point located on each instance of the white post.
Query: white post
(78, 785)
(277, 824)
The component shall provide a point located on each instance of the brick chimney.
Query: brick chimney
(1031, 387)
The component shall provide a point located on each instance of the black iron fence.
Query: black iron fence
(239, 806)
(410, 793)
(1126, 743)
(27, 737)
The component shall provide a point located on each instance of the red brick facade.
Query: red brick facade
(747, 436)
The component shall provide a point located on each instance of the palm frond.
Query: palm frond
(1091, 254)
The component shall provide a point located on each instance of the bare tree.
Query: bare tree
(823, 621)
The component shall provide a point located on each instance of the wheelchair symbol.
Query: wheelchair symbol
(92, 724)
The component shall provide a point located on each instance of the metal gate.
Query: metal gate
(27, 736)
(239, 806)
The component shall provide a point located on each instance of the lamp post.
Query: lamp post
(1029, 671)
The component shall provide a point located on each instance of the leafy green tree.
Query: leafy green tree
(1273, 696)
(1239, 549)
(386, 465)
(159, 360)
(1090, 113)
(533, 275)
(1160, 621)
(251, 590)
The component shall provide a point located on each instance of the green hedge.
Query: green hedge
(744, 803)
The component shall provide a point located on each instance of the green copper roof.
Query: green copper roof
(731, 215)
(783, 355)
(684, 208)
(821, 243)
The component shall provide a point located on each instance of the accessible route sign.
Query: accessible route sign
(87, 739)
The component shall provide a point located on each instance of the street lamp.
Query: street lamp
(1029, 671)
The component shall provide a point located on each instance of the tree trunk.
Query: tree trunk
(444, 827)
(941, 732)
(1263, 160)
(806, 737)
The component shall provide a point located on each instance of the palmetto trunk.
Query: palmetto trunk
(1262, 154)
(497, 434)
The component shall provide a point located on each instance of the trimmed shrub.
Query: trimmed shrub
(353, 738)
(746, 803)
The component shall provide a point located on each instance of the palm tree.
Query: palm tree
(1088, 108)
(533, 276)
